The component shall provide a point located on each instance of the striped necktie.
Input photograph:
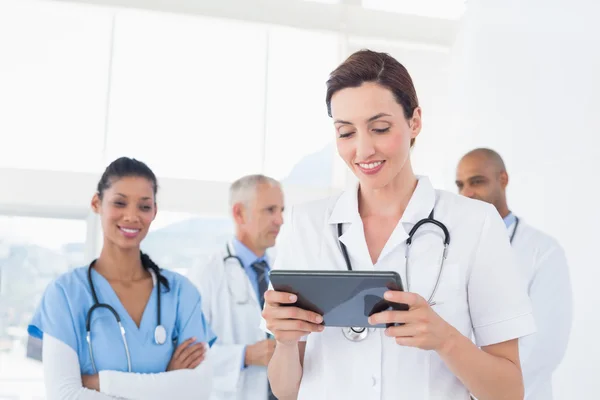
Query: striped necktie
(261, 268)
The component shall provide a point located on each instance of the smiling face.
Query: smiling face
(126, 208)
(373, 135)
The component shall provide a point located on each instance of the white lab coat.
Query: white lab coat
(236, 325)
(480, 292)
(544, 266)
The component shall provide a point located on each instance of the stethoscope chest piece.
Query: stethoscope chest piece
(160, 334)
(355, 334)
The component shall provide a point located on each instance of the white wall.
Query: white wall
(525, 82)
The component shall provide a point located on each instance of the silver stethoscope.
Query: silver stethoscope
(241, 296)
(160, 333)
(357, 334)
(232, 293)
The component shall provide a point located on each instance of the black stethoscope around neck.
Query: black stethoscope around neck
(160, 333)
(514, 232)
(357, 334)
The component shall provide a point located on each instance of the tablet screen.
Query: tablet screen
(343, 298)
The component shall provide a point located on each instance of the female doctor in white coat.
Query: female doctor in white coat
(377, 118)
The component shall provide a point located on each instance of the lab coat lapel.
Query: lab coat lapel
(240, 274)
(345, 212)
(419, 206)
(511, 228)
(354, 239)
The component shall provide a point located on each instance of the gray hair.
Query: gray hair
(244, 189)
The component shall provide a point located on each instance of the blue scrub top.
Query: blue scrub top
(65, 304)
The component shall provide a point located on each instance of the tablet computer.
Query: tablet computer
(343, 298)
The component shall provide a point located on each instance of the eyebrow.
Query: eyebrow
(477, 177)
(143, 198)
(271, 206)
(373, 118)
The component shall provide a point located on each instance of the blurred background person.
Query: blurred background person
(122, 327)
(233, 284)
(481, 174)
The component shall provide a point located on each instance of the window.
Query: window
(53, 77)
(188, 95)
(300, 136)
(33, 251)
(448, 9)
(178, 241)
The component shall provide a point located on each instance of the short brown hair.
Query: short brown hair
(371, 66)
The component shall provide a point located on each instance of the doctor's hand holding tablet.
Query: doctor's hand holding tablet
(379, 290)
(423, 327)
(355, 301)
(289, 324)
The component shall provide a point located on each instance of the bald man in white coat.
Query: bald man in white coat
(481, 174)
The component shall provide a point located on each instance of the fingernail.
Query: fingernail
(387, 295)
(293, 297)
(370, 320)
(321, 328)
(319, 319)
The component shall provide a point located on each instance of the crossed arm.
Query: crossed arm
(63, 380)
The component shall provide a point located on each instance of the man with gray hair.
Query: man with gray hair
(233, 283)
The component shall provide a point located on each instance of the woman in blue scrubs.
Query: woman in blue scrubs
(146, 336)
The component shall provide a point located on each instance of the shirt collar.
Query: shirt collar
(419, 206)
(421, 202)
(345, 210)
(245, 254)
(509, 219)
